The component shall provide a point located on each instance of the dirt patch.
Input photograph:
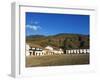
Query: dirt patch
(57, 60)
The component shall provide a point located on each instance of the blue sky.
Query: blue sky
(51, 24)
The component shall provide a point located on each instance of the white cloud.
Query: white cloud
(33, 27)
(34, 22)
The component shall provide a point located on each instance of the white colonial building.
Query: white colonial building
(37, 51)
(33, 51)
(48, 50)
(27, 50)
(51, 51)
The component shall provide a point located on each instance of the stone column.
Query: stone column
(77, 51)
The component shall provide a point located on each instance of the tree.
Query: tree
(79, 38)
(82, 44)
(65, 45)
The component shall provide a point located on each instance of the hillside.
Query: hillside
(62, 40)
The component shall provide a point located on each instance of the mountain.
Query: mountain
(35, 36)
(62, 40)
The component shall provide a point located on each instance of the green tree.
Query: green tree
(65, 44)
(82, 44)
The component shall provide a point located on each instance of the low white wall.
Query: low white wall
(71, 51)
(78, 51)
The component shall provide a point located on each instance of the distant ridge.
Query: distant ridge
(57, 40)
(38, 35)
